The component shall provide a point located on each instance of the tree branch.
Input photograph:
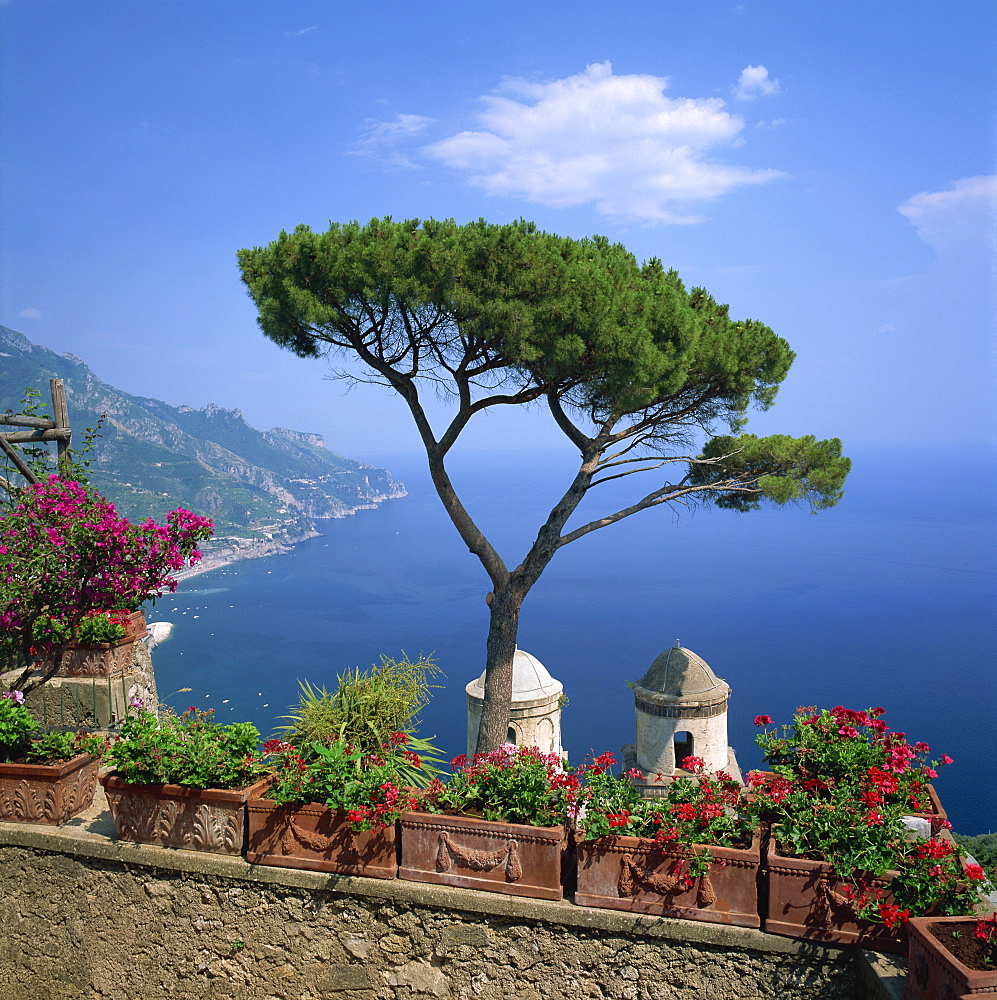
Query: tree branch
(629, 472)
(665, 495)
(570, 431)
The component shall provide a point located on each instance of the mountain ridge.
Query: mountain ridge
(258, 486)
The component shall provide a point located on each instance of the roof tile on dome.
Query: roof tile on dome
(681, 673)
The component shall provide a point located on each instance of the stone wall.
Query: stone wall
(86, 917)
(93, 702)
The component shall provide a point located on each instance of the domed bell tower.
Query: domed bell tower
(681, 711)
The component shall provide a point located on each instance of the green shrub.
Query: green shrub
(367, 710)
(188, 749)
(983, 847)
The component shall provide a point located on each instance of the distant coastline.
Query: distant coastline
(240, 549)
(232, 549)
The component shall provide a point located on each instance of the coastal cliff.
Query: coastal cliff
(263, 489)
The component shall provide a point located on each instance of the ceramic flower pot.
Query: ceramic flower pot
(47, 793)
(806, 900)
(933, 972)
(478, 854)
(635, 874)
(317, 838)
(198, 819)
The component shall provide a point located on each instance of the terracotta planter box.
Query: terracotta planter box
(104, 659)
(137, 628)
(47, 793)
(478, 854)
(197, 819)
(934, 973)
(319, 839)
(805, 901)
(634, 874)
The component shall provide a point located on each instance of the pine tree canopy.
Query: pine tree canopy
(639, 373)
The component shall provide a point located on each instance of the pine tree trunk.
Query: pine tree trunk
(502, 632)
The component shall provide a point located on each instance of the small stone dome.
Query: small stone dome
(681, 711)
(535, 711)
(531, 681)
(682, 675)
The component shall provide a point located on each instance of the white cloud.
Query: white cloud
(964, 215)
(384, 133)
(300, 31)
(378, 139)
(30, 313)
(615, 141)
(755, 81)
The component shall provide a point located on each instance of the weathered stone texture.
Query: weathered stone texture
(82, 928)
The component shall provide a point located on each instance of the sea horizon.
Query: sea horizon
(880, 601)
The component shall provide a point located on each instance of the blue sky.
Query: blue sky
(827, 168)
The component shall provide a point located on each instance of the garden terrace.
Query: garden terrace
(86, 916)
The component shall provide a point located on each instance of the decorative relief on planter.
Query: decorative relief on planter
(450, 853)
(805, 901)
(47, 793)
(198, 819)
(105, 659)
(316, 838)
(636, 875)
(477, 854)
(634, 879)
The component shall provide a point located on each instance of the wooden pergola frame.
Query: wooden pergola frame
(42, 429)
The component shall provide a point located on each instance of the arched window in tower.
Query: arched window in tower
(683, 746)
(512, 737)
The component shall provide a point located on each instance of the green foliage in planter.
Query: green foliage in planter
(58, 746)
(508, 785)
(19, 740)
(17, 726)
(365, 786)
(936, 880)
(985, 932)
(705, 809)
(188, 749)
(841, 785)
(93, 629)
(368, 709)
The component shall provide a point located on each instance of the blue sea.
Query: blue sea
(885, 600)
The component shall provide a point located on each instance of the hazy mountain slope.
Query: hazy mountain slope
(152, 457)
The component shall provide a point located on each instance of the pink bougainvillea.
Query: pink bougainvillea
(66, 552)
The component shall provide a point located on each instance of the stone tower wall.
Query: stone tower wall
(655, 736)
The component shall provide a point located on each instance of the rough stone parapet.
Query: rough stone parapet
(88, 917)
